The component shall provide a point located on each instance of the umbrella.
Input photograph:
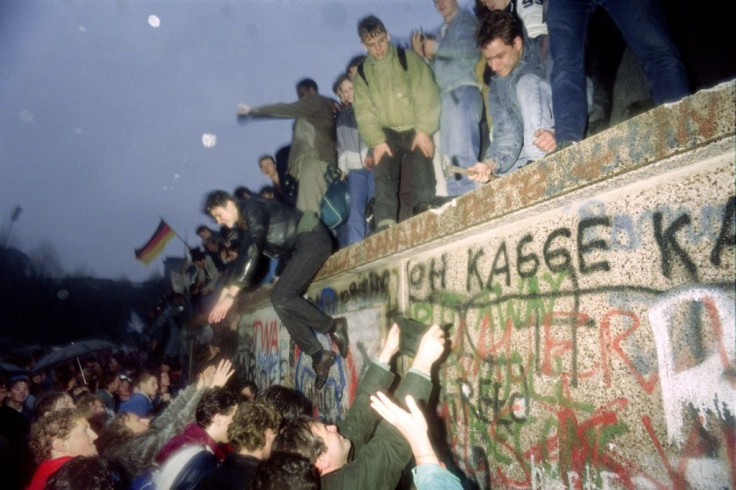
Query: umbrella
(72, 351)
(28, 350)
(11, 369)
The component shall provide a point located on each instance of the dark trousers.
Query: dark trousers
(298, 315)
(402, 181)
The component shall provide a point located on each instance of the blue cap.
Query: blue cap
(138, 404)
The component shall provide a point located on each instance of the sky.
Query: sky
(117, 113)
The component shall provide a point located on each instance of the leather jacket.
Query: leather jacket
(265, 226)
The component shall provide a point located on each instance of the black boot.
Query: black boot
(339, 335)
(321, 363)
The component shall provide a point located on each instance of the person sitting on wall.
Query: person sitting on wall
(519, 98)
(270, 228)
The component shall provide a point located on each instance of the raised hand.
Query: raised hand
(205, 377)
(222, 373)
(412, 425)
(391, 346)
(430, 349)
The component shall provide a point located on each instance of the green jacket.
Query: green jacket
(395, 98)
(314, 130)
(377, 461)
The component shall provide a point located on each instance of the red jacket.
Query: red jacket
(192, 434)
(44, 472)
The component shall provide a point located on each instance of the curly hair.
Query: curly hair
(86, 403)
(296, 437)
(286, 470)
(115, 433)
(56, 425)
(288, 401)
(47, 402)
(214, 401)
(248, 430)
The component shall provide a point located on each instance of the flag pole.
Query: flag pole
(175, 233)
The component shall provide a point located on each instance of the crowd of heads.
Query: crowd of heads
(73, 412)
(84, 443)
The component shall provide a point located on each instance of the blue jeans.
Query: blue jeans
(462, 109)
(360, 187)
(645, 30)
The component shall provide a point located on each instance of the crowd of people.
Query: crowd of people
(117, 424)
(488, 93)
(492, 75)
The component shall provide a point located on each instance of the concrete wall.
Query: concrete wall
(591, 297)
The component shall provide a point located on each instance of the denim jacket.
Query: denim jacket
(456, 53)
(507, 134)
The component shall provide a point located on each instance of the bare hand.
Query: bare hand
(221, 309)
(379, 150)
(430, 47)
(544, 139)
(243, 110)
(222, 373)
(430, 349)
(424, 143)
(417, 43)
(391, 346)
(410, 424)
(368, 162)
(482, 171)
(205, 377)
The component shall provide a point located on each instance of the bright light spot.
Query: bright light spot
(82, 29)
(466, 390)
(177, 176)
(78, 130)
(26, 116)
(154, 21)
(209, 140)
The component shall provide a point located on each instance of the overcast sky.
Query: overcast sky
(105, 106)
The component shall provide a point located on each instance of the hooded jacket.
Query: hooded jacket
(394, 98)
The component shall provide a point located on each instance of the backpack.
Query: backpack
(402, 59)
(335, 206)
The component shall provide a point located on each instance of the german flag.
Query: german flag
(156, 244)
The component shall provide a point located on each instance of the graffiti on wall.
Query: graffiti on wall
(337, 395)
(579, 348)
(365, 291)
(263, 347)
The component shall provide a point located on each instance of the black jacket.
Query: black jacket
(234, 473)
(265, 226)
